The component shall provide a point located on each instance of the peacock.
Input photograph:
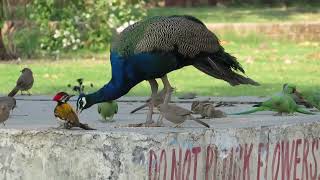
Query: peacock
(153, 47)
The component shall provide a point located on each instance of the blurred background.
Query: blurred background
(276, 41)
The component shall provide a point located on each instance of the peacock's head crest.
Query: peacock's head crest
(81, 103)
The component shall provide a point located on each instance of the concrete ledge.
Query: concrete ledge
(248, 153)
(253, 147)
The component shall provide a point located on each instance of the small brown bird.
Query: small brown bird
(177, 115)
(206, 110)
(4, 113)
(65, 112)
(9, 101)
(24, 83)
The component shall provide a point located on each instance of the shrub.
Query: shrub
(75, 24)
(27, 41)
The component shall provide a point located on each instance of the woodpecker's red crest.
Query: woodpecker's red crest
(60, 96)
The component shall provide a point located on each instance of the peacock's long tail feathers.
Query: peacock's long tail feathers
(185, 35)
(222, 65)
(300, 110)
(249, 112)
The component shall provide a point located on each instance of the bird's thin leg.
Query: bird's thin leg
(154, 89)
(60, 126)
(168, 89)
(160, 120)
(178, 125)
(278, 114)
(67, 125)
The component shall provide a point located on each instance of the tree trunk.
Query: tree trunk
(3, 52)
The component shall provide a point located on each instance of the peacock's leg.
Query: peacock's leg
(168, 91)
(168, 88)
(154, 89)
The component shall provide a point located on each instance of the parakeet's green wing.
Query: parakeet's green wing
(99, 108)
(116, 109)
(272, 102)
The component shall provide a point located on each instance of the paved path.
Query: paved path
(36, 112)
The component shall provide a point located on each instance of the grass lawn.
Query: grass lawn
(244, 14)
(270, 62)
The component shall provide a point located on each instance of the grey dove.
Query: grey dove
(4, 113)
(177, 115)
(9, 101)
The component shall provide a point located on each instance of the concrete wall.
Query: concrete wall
(286, 153)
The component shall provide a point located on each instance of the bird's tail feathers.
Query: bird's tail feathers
(249, 112)
(222, 65)
(139, 108)
(225, 58)
(85, 126)
(300, 110)
(13, 92)
(201, 122)
(257, 105)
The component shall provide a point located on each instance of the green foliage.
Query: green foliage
(75, 24)
(27, 41)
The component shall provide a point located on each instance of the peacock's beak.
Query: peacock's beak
(79, 110)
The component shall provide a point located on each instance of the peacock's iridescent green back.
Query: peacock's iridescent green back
(186, 35)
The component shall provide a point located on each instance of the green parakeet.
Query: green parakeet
(281, 103)
(107, 110)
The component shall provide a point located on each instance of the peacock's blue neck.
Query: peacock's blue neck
(129, 71)
(120, 84)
